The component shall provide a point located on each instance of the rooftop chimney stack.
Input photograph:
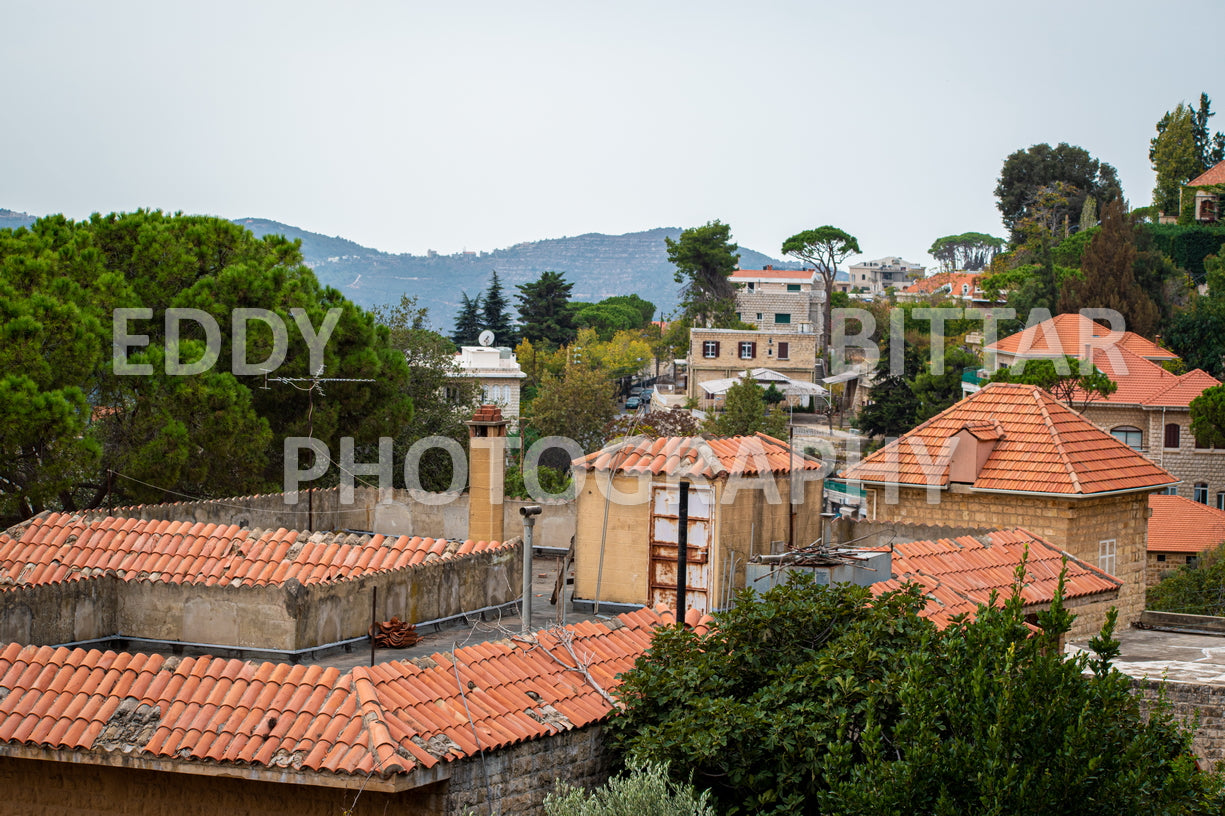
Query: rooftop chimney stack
(486, 473)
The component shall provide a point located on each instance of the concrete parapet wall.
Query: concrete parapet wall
(289, 617)
(399, 512)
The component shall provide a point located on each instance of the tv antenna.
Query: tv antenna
(310, 385)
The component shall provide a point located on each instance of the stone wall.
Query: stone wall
(1188, 701)
(518, 777)
(430, 515)
(521, 776)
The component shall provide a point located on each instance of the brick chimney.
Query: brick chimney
(486, 471)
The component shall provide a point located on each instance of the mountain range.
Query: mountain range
(598, 265)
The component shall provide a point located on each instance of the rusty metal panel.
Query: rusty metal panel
(665, 525)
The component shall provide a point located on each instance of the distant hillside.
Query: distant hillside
(12, 220)
(599, 266)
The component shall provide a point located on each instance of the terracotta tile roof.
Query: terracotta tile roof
(1184, 389)
(65, 547)
(955, 280)
(1142, 382)
(959, 574)
(696, 456)
(1045, 447)
(1180, 525)
(1068, 334)
(1213, 175)
(386, 719)
(779, 274)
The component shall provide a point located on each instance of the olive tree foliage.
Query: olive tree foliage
(645, 789)
(705, 258)
(1075, 382)
(824, 247)
(819, 699)
(970, 251)
(1027, 172)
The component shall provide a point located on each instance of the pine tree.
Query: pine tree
(495, 314)
(468, 323)
(544, 310)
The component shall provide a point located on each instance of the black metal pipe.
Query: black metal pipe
(682, 553)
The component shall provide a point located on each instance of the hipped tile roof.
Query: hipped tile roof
(959, 574)
(1068, 334)
(1179, 525)
(695, 456)
(1044, 447)
(955, 280)
(781, 274)
(1142, 382)
(1213, 175)
(66, 547)
(386, 719)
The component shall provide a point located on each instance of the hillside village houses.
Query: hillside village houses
(875, 277)
(1151, 409)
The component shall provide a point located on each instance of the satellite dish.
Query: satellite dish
(485, 338)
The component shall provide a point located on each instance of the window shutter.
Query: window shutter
(784, 351)
(716, 348)
(753, 349)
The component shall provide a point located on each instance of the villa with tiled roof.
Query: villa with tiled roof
(1150, 409)
(1013, 456)
(960, 574)
(1201, 196)
(628, 515)
(1179, 531)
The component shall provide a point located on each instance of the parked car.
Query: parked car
(632, 404)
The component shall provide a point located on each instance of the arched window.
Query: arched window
(1172, 434)
(1129, 436)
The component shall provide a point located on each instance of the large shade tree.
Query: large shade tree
(824, 247)
(544, 310)
(705, 258)
(77, 430)
(1026, 173)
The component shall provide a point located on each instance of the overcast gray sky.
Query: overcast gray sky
(409, 126)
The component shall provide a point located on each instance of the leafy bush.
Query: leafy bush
(1196, 589)
(826, 700)
(645, 790)
(550, 481)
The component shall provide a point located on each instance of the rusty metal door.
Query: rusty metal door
(665, 526)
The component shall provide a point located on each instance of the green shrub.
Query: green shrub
(644, 790)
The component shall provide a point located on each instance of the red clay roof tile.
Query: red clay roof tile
(1045, 448)
(1179, 525)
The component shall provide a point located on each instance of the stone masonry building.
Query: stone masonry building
(1013, 456)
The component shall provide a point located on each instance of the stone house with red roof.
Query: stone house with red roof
(786, 300)
(739, 506)
(1151, 409)
(1013, 456)
(960, 574)
(1200, 198)
(1179, 532)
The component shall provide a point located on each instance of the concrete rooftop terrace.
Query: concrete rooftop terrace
(1179, 657)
